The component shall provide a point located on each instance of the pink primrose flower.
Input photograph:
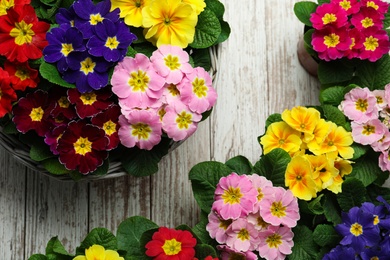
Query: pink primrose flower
(259, 183)
(141, 128)
(171, 94)
(257, 220)
(350, 6)
(387, 93)
(242, 236)
(384, 161)
(171, 62)
(234, 196)
(196, 90)
(378, 5)
(136, 83)
(331, 43)
(279, 207)
(276, 242)
(228, 253)
(381, 101)
(369, 132)
(329, 14)
(217, 227)
(356, 43)
(383, 143)
(359, 105)
(375, 44)
(179, 122)
(367, 17)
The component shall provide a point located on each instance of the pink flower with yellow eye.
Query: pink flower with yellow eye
(369, 132)
(329, 14)
(375, 44)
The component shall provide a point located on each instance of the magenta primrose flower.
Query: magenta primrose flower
(329, 14)
(369, 132)
(234, 196)
(276, 242)
(331, 43)
(378, 5)
(242, 236)
(350, 6)
(375, 44)
(367, 17)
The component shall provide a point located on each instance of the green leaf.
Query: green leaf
(374, 75)
(353, 194)
(239, 164)
(53, 166)
(131, 52)
(202, 251)
(202, 58)
(201, 232)
(332, 209)
(207, 30)
(326, 235)
(204, 178)
(54, 246)
(144, 48)
(304, 245)
(217, 7)
(10, 128)
(366, 171)
(359, 150)
(102, 170)
(386, 22)
(273, 119)
(333, 114)
(303, 10)
(139, 162)
(145, 238)
(40, 151)
(315, 206)
(334, 72)
(37, 257)
(373, 191)
(273, 166)
(332, 96)
(49, 71)
(129, 235)
(98, 236)
(225, 32)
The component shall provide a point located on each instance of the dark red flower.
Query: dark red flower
(171, 244)
(62, 107)
(7, 94)
(82, 147)
(22, 36)
(52, 137)
(32, 113)
(21, 75)
(90, 103)
(108, 121)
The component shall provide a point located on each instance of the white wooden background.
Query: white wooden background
(258, 74)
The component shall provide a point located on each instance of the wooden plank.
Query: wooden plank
(12, 207)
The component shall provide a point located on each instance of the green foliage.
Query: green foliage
(38, 257)
(359, 150)
(273, 119)
(374, 75)
(240, 165)
(354, 194)
(55, 250)
(332, 210)
(326, 235)
(53, 166)
(333, 114)
(366, 171)
(98, 236)
(207, 30)
(303, 11)
(304, 245)
(49, 72)
(333, 72)
(332, 96)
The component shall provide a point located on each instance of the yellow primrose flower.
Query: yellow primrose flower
(320, 132)
(335, 187)
(130, 10)
(339, 140)
(97, 252)
(197, 5)
(302, 119)
(299, 178)
(280, 135)
(323, 170)
(344, 166)
(169, 22)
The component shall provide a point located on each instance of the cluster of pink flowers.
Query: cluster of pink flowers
(369, 112)
(250, 214)
(161, 94)
(350, 28)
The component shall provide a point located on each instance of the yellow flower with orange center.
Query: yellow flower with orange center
(197, 5)
(130, 10)
(320, 132)
(323, 170)
(97, 252)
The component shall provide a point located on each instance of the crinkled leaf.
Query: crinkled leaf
(144, 48)
(374, 75)
(40, 151)
(98, 236)
(131, 52)
(207, 30)
(53, 166)
(332, 209)
(201, 232)
(359, 150)
(239, 164)
(373, 191)
(307, 37)
(386, 22)
(353, 194)
(204, 178)
(272, 119)
(102, 169)
(303, 10)
(273, 166)
(366, 171)
(333, 114)
(326, 235)
(37, 257)
(334, 72)
(202, 251)
(49, 72)
(225, 32)
(304, 246)
(55, 250)
(129, 236)
(217, 7)
(332, 96)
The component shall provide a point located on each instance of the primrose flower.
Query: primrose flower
(98, 252)
(131, 10)
(234, 196)
(197, 5)
(340, 253)
(170, 95)
(21, 75)
(5, 5)
(90, 103)
(63, 109)
(375, 44)
(359, 105)
(323, 170)
(257, 220)
(227, 253)
(276, 242)
(171, 244)
(381, 101)
(369, 132)
(302, 119)
(108, 121)
(22, 35)
(378, 5)
(171, 62)
(169, 22)
(51, 138)
(367, 17)
(8, 94)
(384, 160)
(242, 236)
(356, 43)
(217, 227)
(259, 183)
(383, 143)
(320, 132)
(281, 135)
(329, 14)
(299, 178)
(350, 6)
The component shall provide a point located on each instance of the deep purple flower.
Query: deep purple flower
(340, 253)
(62, 42)
(379, 253)
(90, 15)
(87, 72)
(358, 229)
(111, 40)
(66, 17)
(381, 219)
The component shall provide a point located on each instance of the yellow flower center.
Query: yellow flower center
(66, 49)
(376, 220)
(139, 81)
(329, 18)
(167, 21)
(379, 100)
(274, 240)
(361, 105)
(368, 129)
(260, 194)
(183, 120)
(374, 258)
(87, 66)
(171, 247)
(232, 195)
(372, 4)
(225, 223)
(371, 43)
(63, 102)
(172, 62)
(281, 141)
(109, 127)
(88, 98)
(298, 177)
(82, 146)
(331, 40)
(22, 74)
(367, 22)
(346, 5)
(199, 88)
(141, 131)
(22, 33)
(356, 229)
(36, 114)
(94, 19)
(277, 209)
(138, 3)
(353, 43)
(173, 90)
(330, 143)
(243, 234)
(5, 5)
(112, 43)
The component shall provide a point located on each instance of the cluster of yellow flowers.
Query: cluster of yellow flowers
(319, 149)
(98, 252)
(164, 21)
